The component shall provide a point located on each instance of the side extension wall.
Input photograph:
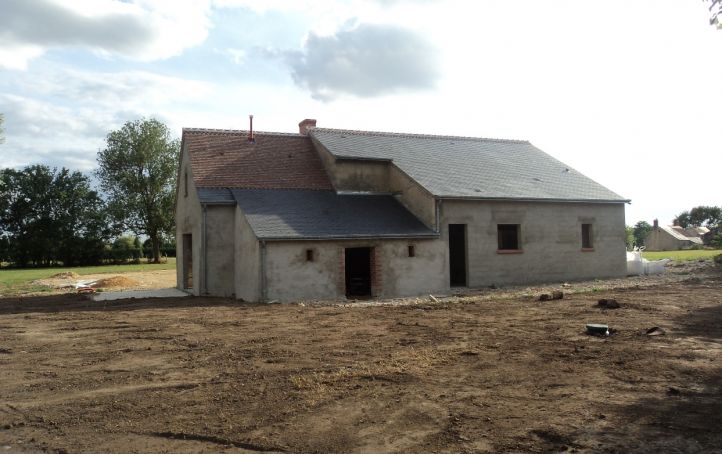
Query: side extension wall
(551, 241)
(290, 277)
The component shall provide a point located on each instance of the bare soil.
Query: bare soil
(499, 372)
(132, 280)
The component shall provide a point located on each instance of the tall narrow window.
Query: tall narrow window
(587, 242)
(185, 184)
(309, 255)
(412, 251)
(509, 238)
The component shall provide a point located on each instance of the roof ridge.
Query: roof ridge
(245, 188)
(416, 135)
(239, 132)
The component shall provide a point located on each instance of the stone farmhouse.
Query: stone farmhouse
(673, 237)
(328, 213)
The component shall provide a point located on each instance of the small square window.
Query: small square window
(309, 255)
(412, 251)
(508, 235)
(587, 242)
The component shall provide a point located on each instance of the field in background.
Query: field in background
(20, 281)
(681, 255)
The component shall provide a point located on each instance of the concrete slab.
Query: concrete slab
(155, 293)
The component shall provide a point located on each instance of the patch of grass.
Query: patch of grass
(701, 254)
(19, 281)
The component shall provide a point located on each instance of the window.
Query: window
(508, 235)
(412, 251)
(587, 236)
(185, 184)
(309, 255)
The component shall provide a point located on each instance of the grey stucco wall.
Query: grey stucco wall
(551, 251)
(413, 196)
(354, 175)
(220, 232)
(551, 241)
(188, 220)
(379, 176)
(409, 276)
(290, 277)
(247, 260)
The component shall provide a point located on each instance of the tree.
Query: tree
(641, 230)
(126, 249)
(715, 9)
(50, 216)
(629, 233)
(137, 172)
(708, 216)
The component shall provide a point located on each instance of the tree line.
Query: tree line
(51, 217)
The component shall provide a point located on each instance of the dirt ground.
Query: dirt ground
(486, 373)
(133, 280)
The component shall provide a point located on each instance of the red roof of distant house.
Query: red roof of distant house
(225, 158)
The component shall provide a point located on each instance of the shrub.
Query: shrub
(125, 249)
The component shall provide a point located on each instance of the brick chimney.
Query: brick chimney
(656, 223)
(306, 125)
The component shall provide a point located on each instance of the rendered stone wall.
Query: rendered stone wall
(551, 240)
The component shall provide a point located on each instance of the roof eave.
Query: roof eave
(528, 199)
(218, 203)
(350, 237)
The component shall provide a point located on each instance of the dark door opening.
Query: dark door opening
(358, 271)
(187, 260)
(457, 255)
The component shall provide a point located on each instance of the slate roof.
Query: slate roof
(679, 234)
(216, 196)
(224, 158)
(468, 167)
(305, 214)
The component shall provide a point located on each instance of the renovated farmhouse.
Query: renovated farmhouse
(328, 213)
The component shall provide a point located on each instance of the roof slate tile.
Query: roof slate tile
(294, 214)
(468, 167)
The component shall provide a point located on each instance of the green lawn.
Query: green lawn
(19, 281)
(681, 255)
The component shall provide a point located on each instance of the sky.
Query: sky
(624, 91)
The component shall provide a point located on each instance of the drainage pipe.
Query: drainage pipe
(204, 286)
(264, 291)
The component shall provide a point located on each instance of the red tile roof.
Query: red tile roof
(225, 158)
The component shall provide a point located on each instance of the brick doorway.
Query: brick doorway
(358, 272)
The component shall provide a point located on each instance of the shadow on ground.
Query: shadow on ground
(73, 302)
(686, 417)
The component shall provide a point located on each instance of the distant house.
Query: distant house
(673, 237)
(328, 213)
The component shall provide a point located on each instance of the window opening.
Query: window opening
(587, 236)
(508, 235)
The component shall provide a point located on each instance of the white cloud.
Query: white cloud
(144, 29)
(367, 60)
(63, 115)
(237, 56)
